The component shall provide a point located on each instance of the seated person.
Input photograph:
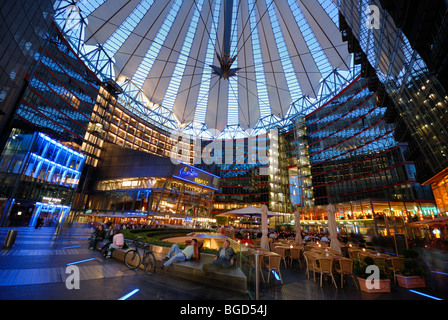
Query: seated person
(109, 234)
(324, 238)
(97, 236)
(176, 254)
(225, 258)
(117, 243)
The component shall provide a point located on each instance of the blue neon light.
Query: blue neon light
(276, 275)
(188, 172)
(69, 264)
(200, 170)
(129, 294)
(72, 247)
(60, 145)
(425, 295)
(445, 274)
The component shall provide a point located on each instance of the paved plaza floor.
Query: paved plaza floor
(36, 267)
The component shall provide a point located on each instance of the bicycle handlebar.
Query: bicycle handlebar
(139, 244)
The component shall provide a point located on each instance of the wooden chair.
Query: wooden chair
(318, 250)
(326, 268)
(311, 265)
(353, 253)
(274, 264)
(272, 246)
(282, 252)
(296, 254)
(396, 265)
(345, 267)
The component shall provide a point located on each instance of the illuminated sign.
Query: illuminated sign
(196, 176)
(134, 183)
(185, 172)
(51, 200)
(201, 181)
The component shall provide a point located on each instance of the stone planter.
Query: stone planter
(411, 281)
(384, 286)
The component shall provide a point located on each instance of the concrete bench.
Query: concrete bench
(232, 278)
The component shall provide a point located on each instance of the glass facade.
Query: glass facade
(251, 171)
(353, 154)
(60, 96)
(295, 155)
(407, 65)
(369, 216)
(38, 174)
(152, 189)
(439, 187)
(23, 25)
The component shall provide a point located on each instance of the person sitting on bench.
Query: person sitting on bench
(225, 258)
(176, 254)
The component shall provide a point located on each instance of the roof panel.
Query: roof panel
(284, 49)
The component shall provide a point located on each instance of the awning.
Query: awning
(440, 220)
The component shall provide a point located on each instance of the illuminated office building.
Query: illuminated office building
(353, 154)
(404, 58)
(137, 184)
(22, 26)
(300, 113)
(38, 176)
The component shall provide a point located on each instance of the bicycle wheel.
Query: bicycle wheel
(132, 259)
(150, 263)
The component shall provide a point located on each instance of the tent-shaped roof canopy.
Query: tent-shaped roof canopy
(175, 50)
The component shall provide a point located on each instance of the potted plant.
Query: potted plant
(412, 275)
(366, 278)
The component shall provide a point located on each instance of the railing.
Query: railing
(248, 267)
(249, 263)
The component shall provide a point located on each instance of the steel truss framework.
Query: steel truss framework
(72, 22)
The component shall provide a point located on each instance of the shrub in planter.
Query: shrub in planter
(156, 236)
(363, 273)
(412, 275)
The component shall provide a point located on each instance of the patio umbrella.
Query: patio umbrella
(298, 228)
(248, 211)
(334, 242)
(264, 227)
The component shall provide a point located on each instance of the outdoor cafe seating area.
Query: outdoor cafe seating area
(319, 262)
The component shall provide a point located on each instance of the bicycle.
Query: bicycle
(133, 258)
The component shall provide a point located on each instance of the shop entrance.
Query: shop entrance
(49, 215)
